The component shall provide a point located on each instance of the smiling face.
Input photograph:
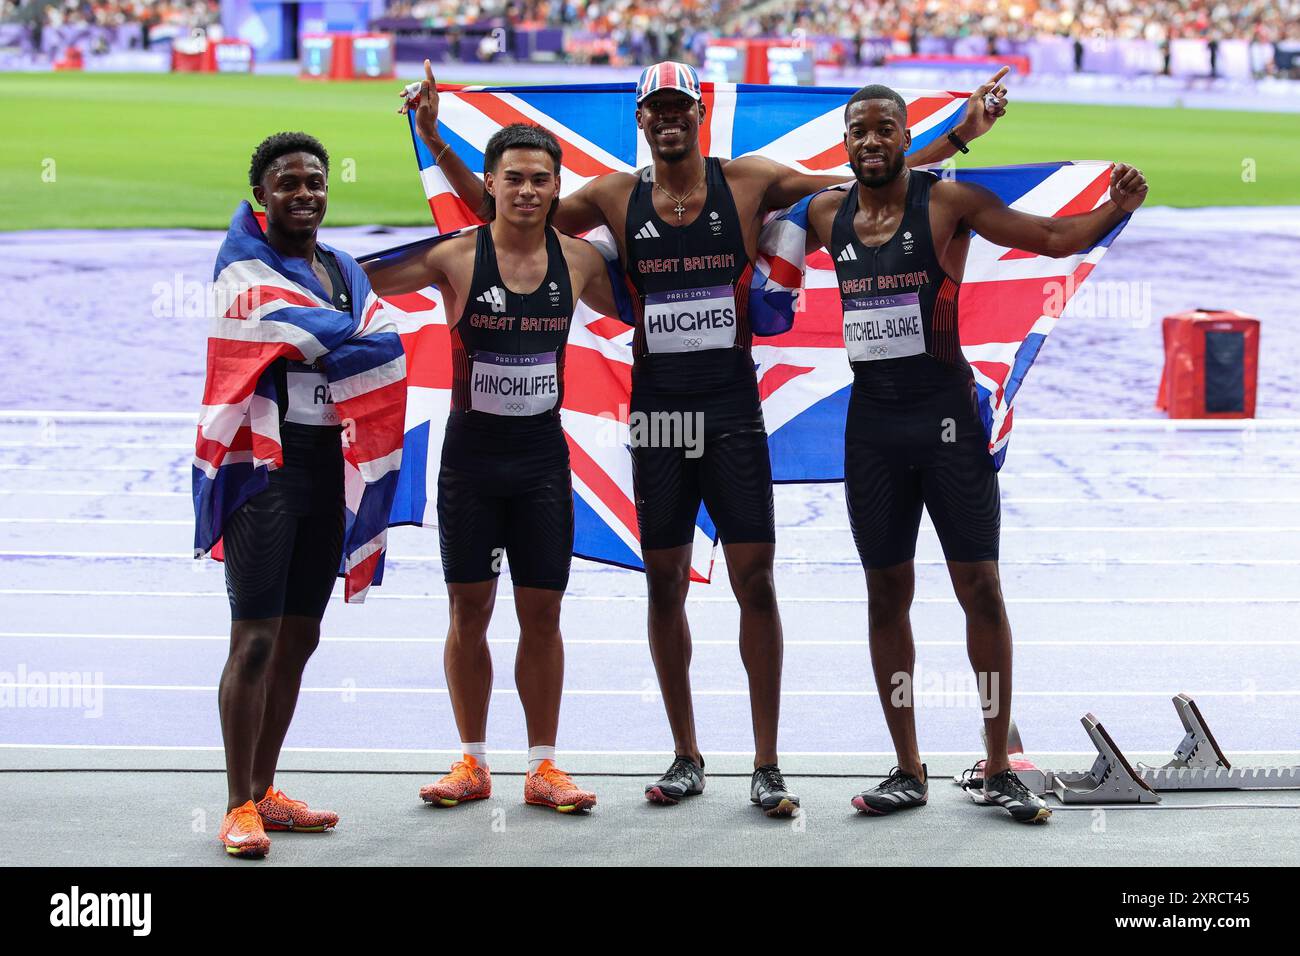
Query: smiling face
(294, 191)
(671, 122)
(525, 186)
(876, 139)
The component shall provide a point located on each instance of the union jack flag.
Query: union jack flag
(804, 377)
(272, 307)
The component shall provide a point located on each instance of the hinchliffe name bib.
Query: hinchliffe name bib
(514, 384)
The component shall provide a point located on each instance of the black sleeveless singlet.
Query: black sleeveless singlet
(691, 284)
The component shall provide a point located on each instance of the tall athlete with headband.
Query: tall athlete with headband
(687, 230)
(913, 436)
(504, 488)
(284, 545)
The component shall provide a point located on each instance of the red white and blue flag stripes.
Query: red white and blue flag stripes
(272, 307)
(1009, 301)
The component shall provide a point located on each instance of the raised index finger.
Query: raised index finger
(998, 76)
(428, 75)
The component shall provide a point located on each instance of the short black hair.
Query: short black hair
(517, 136)
(282, 144)
(877, 91)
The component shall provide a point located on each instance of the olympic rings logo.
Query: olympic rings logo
(878, 350)
(514, 406)
(693, 343)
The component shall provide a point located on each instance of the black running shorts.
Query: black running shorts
(689, 448)
(283, 547)
(931, 453)
(506, 499)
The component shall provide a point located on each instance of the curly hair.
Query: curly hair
(282, 144)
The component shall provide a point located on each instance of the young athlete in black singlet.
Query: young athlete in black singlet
(504, 488)
(913, 436)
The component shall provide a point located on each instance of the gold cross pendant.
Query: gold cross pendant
(679, 209)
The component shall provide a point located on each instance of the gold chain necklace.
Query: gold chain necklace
(680, 208)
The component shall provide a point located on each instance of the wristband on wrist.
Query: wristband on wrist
(958, 142)
(438, 158)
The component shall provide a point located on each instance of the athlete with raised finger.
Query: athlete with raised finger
(504, 488)
(913, 437)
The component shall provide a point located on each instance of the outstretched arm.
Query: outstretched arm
(983, 108)
(596, 291)
(1057, 236)
(578, 212)
(409, 269)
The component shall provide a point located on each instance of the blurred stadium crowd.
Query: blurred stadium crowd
(1263, 20)
(111, 13)
(844, 31)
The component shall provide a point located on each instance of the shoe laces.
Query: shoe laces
(556, 777)
(283, 797)
(247, 818)
(460, 772)
(898, 778)
(683, 767)
(770, 776)
(1009, 781)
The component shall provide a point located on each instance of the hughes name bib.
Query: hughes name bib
(690, 320)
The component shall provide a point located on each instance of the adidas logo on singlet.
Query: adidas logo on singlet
(648, 231)
(494, 297)
(847, 255)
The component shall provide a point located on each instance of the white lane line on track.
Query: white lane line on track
(651, 693)
(174, 466)
(112, 445)
(1083, 561)
(1008, 500)
(1105, 424)
(207, 748)
(618, 598)
(128, 522)
(1145, 453)
(1009, 477)
(789, 528)
(641, 642)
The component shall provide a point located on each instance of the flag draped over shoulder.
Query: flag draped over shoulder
(1007, 305)
(268, 307)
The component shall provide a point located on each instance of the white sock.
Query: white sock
(476, 750)
(537, 754)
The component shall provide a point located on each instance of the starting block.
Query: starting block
(1198, 764)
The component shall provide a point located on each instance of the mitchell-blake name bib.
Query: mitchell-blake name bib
(883, 327)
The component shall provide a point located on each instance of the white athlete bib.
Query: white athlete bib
(310, 402)
(514, 384)
(883, 327)
(690, 320)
